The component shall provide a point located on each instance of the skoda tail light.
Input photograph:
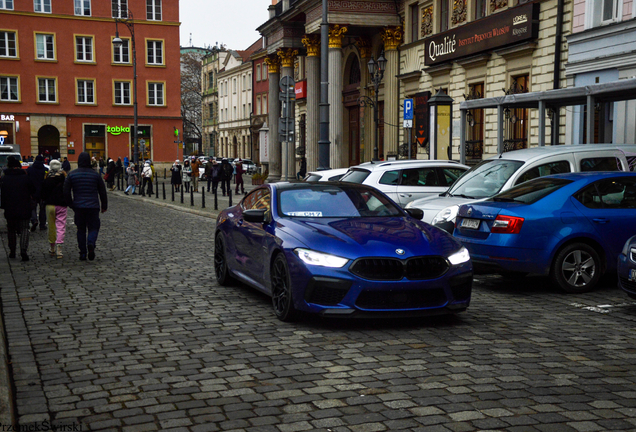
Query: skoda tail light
(506, 225)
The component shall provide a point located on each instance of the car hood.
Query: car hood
(433, 205)
(359, 237)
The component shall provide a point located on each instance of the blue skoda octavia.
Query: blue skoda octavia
(569, 226)
(340, 250)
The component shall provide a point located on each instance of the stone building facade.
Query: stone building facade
(210, 67)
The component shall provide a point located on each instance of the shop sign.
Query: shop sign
(7, 117)
(117, 130)
(301, 89)
(511, 26)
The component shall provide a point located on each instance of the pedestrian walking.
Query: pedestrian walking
(84, 191)
(186, 171)
(146, 175)
(238, 179)
(175, 178)
(102, 165)
(56, 211)
(110, 174)
(94, 164)
(195, 173)
(119, 169)
(37, 172)
(66, 165)
(212, 174)
(131, 172)
(17, 190)
(226, 172)
(303, 169)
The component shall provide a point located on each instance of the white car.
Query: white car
(407, 180)
(326, 175)
(509, 169)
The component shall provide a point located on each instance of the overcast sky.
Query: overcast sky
(229, 22)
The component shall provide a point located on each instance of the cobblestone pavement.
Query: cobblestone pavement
(142, 339)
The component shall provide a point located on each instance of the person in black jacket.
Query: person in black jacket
(66, 165)
(111, 170)
(226, 173)
(37, 172)
(16, 192)
(84, 189)
(56, 211)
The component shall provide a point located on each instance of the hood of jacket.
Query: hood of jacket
(84, 160)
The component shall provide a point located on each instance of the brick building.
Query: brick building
(64, 86)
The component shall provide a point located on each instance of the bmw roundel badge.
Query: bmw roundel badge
(399, 251)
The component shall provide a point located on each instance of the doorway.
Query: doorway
(49, 141)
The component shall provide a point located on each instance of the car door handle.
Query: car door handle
(600, 220)
(404, 195)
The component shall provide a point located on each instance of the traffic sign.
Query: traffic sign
(408, 109)
(287, 84)
(408, 124)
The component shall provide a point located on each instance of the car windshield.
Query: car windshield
(3, 158)
(485, 179)
(335, 202)
(355, 175)
(531, 191)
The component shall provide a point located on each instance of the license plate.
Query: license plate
(632, 275)
(470, 223)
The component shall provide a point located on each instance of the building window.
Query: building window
(155, 94)
(122, 93)
(46, 90)
(480, 8)
(258, 73)
(244, 83)
(119, 8)
(85, 91)
(8, 46)
(6, 4)
(611, 10)
(84, 48)
(121, 54)
(211, 80)
(516, 124)
(265, 110)
(153, 10)
(475, 120)
(234, 113)
(83, 7)
(244, 111)
(415, 21)
(258, 105)
(9, 89)
(443, 15)
(234, 86)
(249, 81)
(45, 46)
(42, 6)
(155, 52)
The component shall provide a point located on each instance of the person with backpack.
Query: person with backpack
(226, 176)
(56, 210)
(146, 175)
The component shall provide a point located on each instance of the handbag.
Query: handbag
(107, 176)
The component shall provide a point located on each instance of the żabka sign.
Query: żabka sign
(511, 26)
(117, 130)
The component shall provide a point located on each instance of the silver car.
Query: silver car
(407, 180)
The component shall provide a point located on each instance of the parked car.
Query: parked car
(407, 180)
(627, 268)
(326, 175)
(501, 172)
(339, 250)
(569, 226)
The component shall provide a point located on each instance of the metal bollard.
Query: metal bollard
(172, 193)
(203, 197)
(192, 197)
(163, 185)
(229, 196)
(156, 186)
(216, 201)
(181, 194)
(164, 173)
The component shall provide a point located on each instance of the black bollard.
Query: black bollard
(216, 200)
(156, 186)
(163, 185)
(172, 193)
(164, 173)
(229, 196)
(192, 197)
(203, 197)
(181, 194)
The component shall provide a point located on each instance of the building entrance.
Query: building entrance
(49, 141)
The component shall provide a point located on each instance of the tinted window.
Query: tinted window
(559, 167)
(419, 177)
(531, 191)
(601, 164)
(336, 177)
(609, 193)
(335, 201)
(452, 174)
(313, 177)
(355, 176)
(390, 178)
(485, 179)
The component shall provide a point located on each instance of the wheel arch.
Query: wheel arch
(586, 240)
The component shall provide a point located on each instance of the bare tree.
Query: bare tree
(191, 97)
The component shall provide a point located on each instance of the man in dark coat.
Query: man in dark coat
(110, 174)
(66, 165)
(212, 172)
(37, 172)
(84, 189)
(119, 169)
(226, 176)
(16, 192)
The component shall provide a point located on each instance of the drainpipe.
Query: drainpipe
(558, 41)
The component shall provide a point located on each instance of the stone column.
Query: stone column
(336, 109)
(287, 56)
(273, 107)
(366, 86)
(393, 37)
(312, 43)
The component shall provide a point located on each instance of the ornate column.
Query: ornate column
(366, 135)
(336, 109)
(312, 43)
(288, 172)
(392, 37)
(273, 107)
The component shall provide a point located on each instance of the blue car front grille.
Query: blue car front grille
(627, 284)
(401, 299)
(392, 269)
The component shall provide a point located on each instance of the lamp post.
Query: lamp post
(376, 70)
(118, 42)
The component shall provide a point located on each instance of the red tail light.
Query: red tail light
(507, 225)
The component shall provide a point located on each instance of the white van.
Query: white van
(506, 170)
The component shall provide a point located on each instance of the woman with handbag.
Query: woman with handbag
(131, 172)
(186, 173)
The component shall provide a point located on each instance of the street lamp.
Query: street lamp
(118, 42)
(376, 70)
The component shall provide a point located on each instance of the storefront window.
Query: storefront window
(6, 134)
(144, 142)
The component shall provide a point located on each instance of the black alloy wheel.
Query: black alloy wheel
(281, 290)
(577, 268)
(223, 276)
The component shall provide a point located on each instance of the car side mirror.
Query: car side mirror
(415, 213)
(254, 215)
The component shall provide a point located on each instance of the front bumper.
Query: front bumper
(625, 266)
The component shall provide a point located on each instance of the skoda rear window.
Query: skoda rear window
(355, 176)
(485, 179)
(531, 191)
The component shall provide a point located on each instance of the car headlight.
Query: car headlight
(320, 259)
(459, 257)
(447, 215)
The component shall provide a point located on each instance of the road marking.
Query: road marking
(606, 308)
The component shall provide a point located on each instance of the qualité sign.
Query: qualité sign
(511, 26)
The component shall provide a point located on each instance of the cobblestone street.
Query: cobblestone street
(143, 339)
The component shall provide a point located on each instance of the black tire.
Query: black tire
(282, 299)
(577, 268)
(223, 276)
